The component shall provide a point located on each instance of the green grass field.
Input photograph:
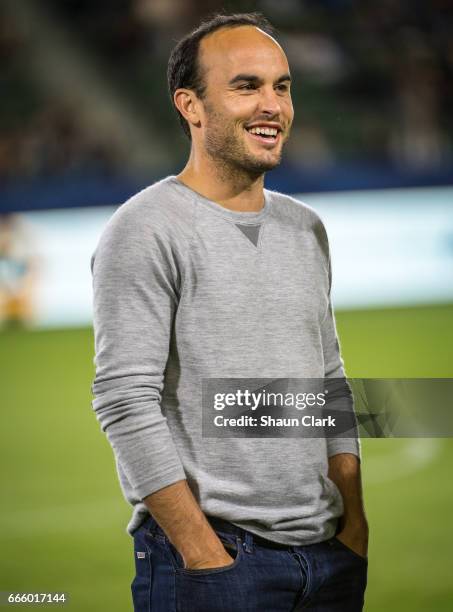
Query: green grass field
(63, 518)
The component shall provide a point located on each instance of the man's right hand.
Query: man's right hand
(180, 517)
(218, 561)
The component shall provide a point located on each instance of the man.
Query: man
(208, 275)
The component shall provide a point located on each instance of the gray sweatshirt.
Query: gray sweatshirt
(186, 289)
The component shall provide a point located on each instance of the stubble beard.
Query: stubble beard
(230, 154)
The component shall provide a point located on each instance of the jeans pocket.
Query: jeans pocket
(232, 545)
(216, 588)
(343, 546)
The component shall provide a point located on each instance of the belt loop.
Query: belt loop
(248, 541)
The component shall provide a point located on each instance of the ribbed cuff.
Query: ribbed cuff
(155, 484)
(344, 445)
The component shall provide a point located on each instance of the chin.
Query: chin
(264, 165)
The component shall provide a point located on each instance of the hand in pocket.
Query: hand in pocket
(217, 561)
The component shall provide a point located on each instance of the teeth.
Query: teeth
(264, 130)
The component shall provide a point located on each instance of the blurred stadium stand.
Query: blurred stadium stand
(86, 119)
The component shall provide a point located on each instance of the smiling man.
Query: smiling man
(235, 105)
(207, 275)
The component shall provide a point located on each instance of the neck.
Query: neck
(233, 188)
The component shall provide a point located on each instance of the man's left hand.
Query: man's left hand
(355, 537)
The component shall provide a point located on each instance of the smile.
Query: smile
(267, 136)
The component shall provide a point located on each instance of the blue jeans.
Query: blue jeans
(265, 577)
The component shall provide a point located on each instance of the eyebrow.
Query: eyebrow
(252, 78)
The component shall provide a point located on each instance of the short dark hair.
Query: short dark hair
(183, 65)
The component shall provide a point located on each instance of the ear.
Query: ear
(188, 104)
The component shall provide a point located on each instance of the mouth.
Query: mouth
(266, 135)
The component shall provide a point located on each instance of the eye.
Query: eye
(283, 87)
(247, 86)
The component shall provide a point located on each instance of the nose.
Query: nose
(270, 103)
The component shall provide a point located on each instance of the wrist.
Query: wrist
(206, 559)
(209, 548)
(357, 522)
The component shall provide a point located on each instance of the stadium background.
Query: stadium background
(86, 122)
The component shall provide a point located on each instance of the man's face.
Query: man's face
(247, 107)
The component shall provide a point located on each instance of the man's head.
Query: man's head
(229, 80)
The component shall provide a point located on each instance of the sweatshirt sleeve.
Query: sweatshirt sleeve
(341, 398)
(135, 296)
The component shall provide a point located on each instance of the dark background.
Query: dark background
(86, 117)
